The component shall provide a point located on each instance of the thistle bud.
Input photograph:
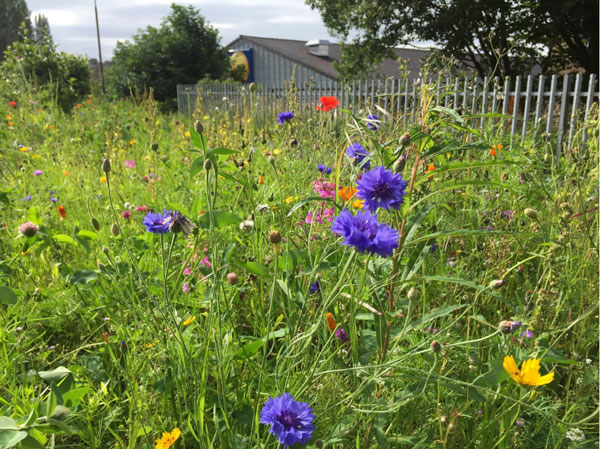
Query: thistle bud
(115, 230)
(198, 127)
(207, 164)
(271, 160)
(274, 237)
(531, 213)
(497, 283)
(404, 139)
(232, 278)
(105, 251)
(399, 164)
(436, 347)
(293, 142)
(154, 146)
(95, 224)
(106, 165)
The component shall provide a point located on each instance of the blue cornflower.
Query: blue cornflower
(373, 122)
(53, 199)
(176, 222)
(155, 223)
(381, 188)
(315, 287)
(365, 233)
(324, 169)
(284, 117)
(291, 421)
(358, 152)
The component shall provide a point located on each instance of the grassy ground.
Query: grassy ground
(111, 335)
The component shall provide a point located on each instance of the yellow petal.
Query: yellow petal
(510, 366)
(543, 380)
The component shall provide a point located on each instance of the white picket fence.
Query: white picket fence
(549, 105)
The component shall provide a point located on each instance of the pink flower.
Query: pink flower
(126, 214)
(142, 208)
(187, 271)
(130, 164)
(185, 287)
(206, 262)
(324, 188)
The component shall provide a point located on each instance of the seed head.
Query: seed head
(531, 213)
(404, 139)
(114, 229)
(436, 347)
(95, 224)
(274, 237)
(198, 127)
(412, 294)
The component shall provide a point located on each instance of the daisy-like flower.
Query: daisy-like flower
(358, 153)
(381, 188)
(529, 373)
(284, 117)
(168, 439)
(291, 421)
(365, 233)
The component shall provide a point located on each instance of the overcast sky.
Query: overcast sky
(73, 26)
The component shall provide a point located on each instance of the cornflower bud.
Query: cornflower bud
(207, 164)
(436, 347)
(198, 127)
(95, 224)
(115, 230)
(531, 213)
(404, 139)
(106, 165)
(399, 164)
(497, 283)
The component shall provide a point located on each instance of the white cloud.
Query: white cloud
(59, 17)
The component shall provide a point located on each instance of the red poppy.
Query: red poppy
(13, 103)
(328, 103)
(62, 212)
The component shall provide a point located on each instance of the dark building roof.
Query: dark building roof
(298, 52)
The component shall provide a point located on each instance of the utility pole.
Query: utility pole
(99, 48)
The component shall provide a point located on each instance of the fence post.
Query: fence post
(588, 106)
(527, 105)
(564, 105)
(576, 93)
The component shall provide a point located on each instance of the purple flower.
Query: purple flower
(528, 333)
(365, 233)
(324, 169)
(341, 334)
(38, 173)
(54, 200)
(433, 248)
(514, 325)
(381, 188)
(357, 151)
(284, 117)
(29, 229)
(291, 421)
(177, 222)
(520, 422)
(155, 223)
(129, 164)
(373, 122)
(507, 214)
(126, 214)
(315, 287)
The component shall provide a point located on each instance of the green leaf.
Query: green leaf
(87, 235)
(198, 140)
(554, 356)
(55, 375)
(222, 151)
(10, 438)
(34, 216)
(451, 112)
(180, 208)
(464, 166)
(248, 350)
(73, 397)
(63, 238)
(494, 376)
(197, 166)
(257, 268)
(7, 423)
(220, 219)
(83, 277)
(33, 443)
(7, 296)
(233, 178)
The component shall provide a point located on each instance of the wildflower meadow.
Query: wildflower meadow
(327, 280)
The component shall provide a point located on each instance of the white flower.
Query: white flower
(575, 434)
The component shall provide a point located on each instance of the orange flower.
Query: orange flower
(88, 101)
(168, 439)
(346, 193)
(261, 181)
(52, 127)
(66, 173)
(78, 105)
(430, 167)
(62, 212)
(328, 103)
(495, 149)
(331, 322)
(105, 337)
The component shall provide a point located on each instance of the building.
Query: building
(271, 61)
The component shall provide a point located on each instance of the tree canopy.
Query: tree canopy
(184, 49)
(12, 14)
(504, 37)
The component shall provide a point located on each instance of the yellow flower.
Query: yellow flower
(132, 142)
(149, 345)
(276, 151)
(529, 374)
(190, 320)
(357, 204)
(186, 134)
(168, 439)
(289, 199)
(103, 179)
(24, 149)
(206, 117)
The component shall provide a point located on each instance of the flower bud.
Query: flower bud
(101, 266)
(105, 165)
(505, 327)
(497, 283)
(207, 164)
(404, 139)
(274, 237)
(399, 164)
(105, 251)
(412, 294)
(95, 224)
(115, 230)
(198, 127)
(154, 146)
(531, 213)
(436, 347)
(271, 160)
(232, 278)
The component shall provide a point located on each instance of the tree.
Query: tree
(184, 49)
(504, 37)
(12, 14)
(41, 30)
